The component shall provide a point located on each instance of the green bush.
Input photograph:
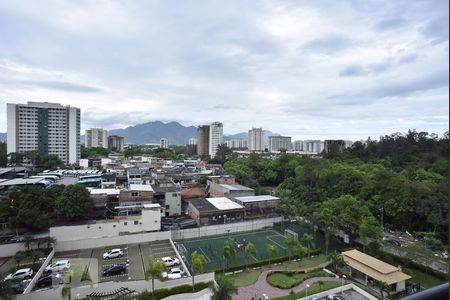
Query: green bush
(270, 278)
(263, 262)
(181, 289)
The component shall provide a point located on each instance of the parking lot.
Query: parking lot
(135, 257)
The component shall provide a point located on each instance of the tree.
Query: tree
(72, 278)
(272, 250)
(223, 153)
(336, 261)
(50, 241)
(307, 240)
(74, 203)
(28, 240)
(249, 251)
(325, 218)
(384, 288)
(6, 292)
(228, 252)
(19, 256)
(223, 289)
(369, 229)
(198, 262)
(154, 270)
(300, 251)
(291, 243)
(320, 283)
(35, 255)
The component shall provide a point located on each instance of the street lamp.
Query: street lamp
(342, 284)
(307, 286)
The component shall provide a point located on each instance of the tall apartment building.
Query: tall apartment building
(237, 144)
(215, 137)
(116, 143)
(191, 146)
(48, 128)
(203, 140)
(276, 143)
(96, 137)
(164, 143)
(312, 146)
(256, 139)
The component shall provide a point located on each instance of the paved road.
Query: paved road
(261, 286)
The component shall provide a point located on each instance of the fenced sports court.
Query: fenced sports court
(212, 247)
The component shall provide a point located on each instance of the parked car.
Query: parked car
(62, 265)
(114, 253)
(49, 280)
(17, 288)
(336, 297)
(115, 270)
(20, 274)
(169, 261)
(175, 273)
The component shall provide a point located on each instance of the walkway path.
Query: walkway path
(261, 286)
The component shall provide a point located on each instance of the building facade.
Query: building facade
(96, 137)
(215, 137)
(164, 143)
(48, 128)
(277, 143)
(203, 140)
(256, 139)
(237, 144)
(115, 143)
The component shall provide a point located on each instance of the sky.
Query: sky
(306, 69)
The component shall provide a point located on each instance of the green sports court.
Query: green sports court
(212, 247)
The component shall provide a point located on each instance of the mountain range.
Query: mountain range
(152, 132)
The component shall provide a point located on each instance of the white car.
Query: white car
(62, 265)
(114, 253)
(21, 274)
(175, 273)
(169, 261)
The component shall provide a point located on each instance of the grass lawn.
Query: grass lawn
(249, 277)
(425, 280)
(313, 289)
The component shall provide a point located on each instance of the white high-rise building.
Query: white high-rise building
(256, 139)
(236, 144)
(164, 143)
(215, 137)
(96, 137)
(48, 128)
(276, 143)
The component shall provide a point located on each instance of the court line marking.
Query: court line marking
(282, 247)
(206, 256)
(187, 241)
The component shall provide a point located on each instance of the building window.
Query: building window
(136, 222)
(167, 206)
(125, 223)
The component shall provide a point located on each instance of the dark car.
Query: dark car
(115, 270)
(49, 280)
(17, 288)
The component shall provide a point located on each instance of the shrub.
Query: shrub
(309, 275)
(181, 289)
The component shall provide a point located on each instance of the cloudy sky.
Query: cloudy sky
(307, 69)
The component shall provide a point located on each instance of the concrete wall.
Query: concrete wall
(69, 245)
(7, 250)
(224, 228)
(105, 287)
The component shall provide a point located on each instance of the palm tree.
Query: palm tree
(19, 256)
(249, 251)
(320, 283)
(384, 287)
(336, 260)
(35, 255)
(224, 289)
(291, 243)
(228, 252)
(50, 241)
(28, 240)
(6, 292)
(308, 241)
(154, 270)
(73, 275)
(300, 251)
(198, 261)
(271, 250)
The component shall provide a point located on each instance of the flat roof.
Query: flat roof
(202, 205)
(20, 181)
(222, 203)
(104, 191)
(151, 205)
(248, 199)
(375, 268)
(141, 187)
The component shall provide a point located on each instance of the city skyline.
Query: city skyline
(309, 70)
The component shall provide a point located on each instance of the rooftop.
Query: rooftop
(248, 199)
(19, 181)
(222, 203)
(141, 187)
(230, 187)
(375, 268)
(104, 191)
(202, 205)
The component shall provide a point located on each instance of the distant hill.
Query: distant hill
(244, 136)
(2, 136)
(152, 132)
